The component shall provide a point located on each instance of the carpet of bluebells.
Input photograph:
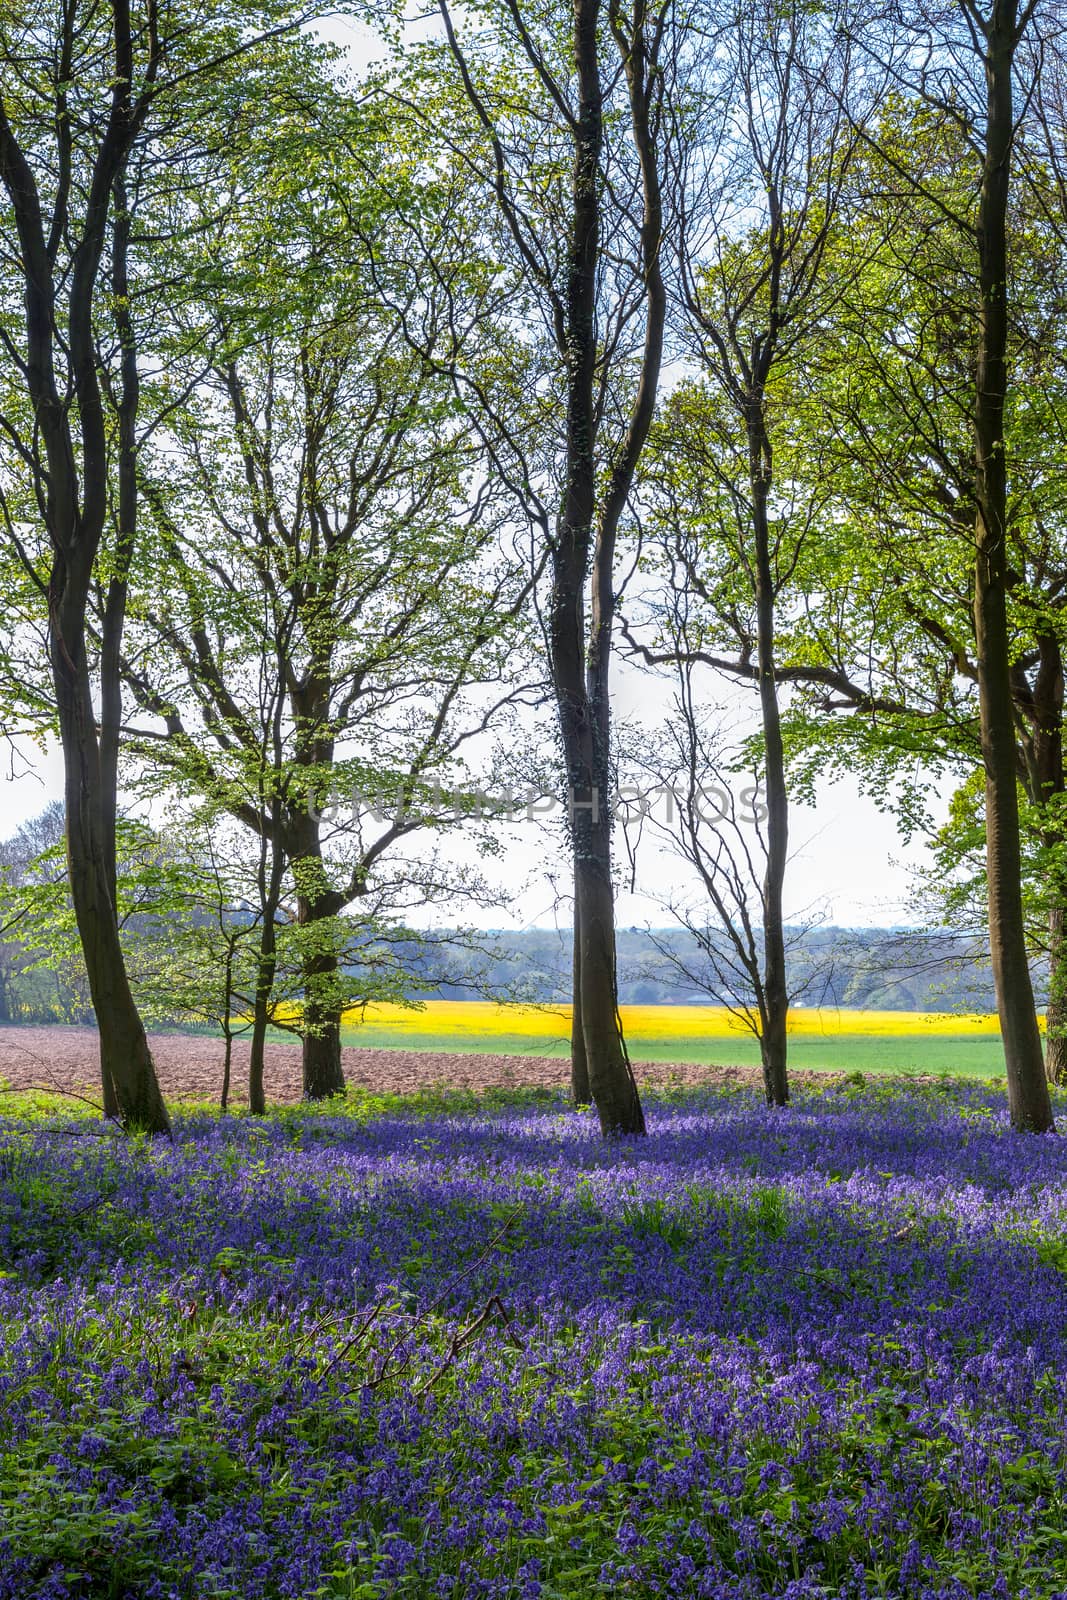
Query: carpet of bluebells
(378, 1352)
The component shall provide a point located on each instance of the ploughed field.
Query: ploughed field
(64, 1061)
(389, 1351)
(478, 1045)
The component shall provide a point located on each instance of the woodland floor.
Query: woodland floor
(190, 1066)
(391, 1350)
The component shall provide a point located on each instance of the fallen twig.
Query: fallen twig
(494, 1303)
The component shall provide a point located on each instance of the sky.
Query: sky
(849, 866)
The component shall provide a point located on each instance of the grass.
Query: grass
(902, 1042)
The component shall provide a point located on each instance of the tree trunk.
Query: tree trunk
(126, 403)
(1028, 1096)
(74, 486)
(1056, 1010)
(599, 1063)
(773, 1045)
(317, 902)
(227, 1063)
(126, 1068)
(579, 1061)
(257, 1098)
(114, 616)
(611, 1080)
(611, 1084)
(323, 1075)
(227, 1020)
(1039, 732)
(581, 680)
(773, 1058)
(266, 965)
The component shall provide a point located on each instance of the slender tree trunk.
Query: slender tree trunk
(599, 1063)
(75, 482)
(227, 1023)
(227, 1063)
(126, 402)
(610, 1083)
(270, 889)
(1027, 1088)
(612, 1087)
(1039, 733)
(1056, 1010)
(126, 1067)
(609, 1080)
(257, 1098)
(265, 967)
(581, 677)
(114, 617)
(773, 1045)
(1027, 1091)
(1055, 845)
(579, 1061)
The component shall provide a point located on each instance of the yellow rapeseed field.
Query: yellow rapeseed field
(484, 1018)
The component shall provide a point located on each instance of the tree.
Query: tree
(894, 634)
(567, 119)
(690, 802)
(195, 958)
(782, 113)
(160, 914)
(104, 78)
(882, 623)
(952, 891)
(41, 979)
(1000, 30)
(960, 60)
(328, 608)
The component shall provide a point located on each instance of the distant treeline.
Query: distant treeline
(874, 968)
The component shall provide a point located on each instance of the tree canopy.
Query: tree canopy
(351, 421)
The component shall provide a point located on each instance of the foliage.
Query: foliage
(334, 327)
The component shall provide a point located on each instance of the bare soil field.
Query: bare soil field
(190, 1067)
